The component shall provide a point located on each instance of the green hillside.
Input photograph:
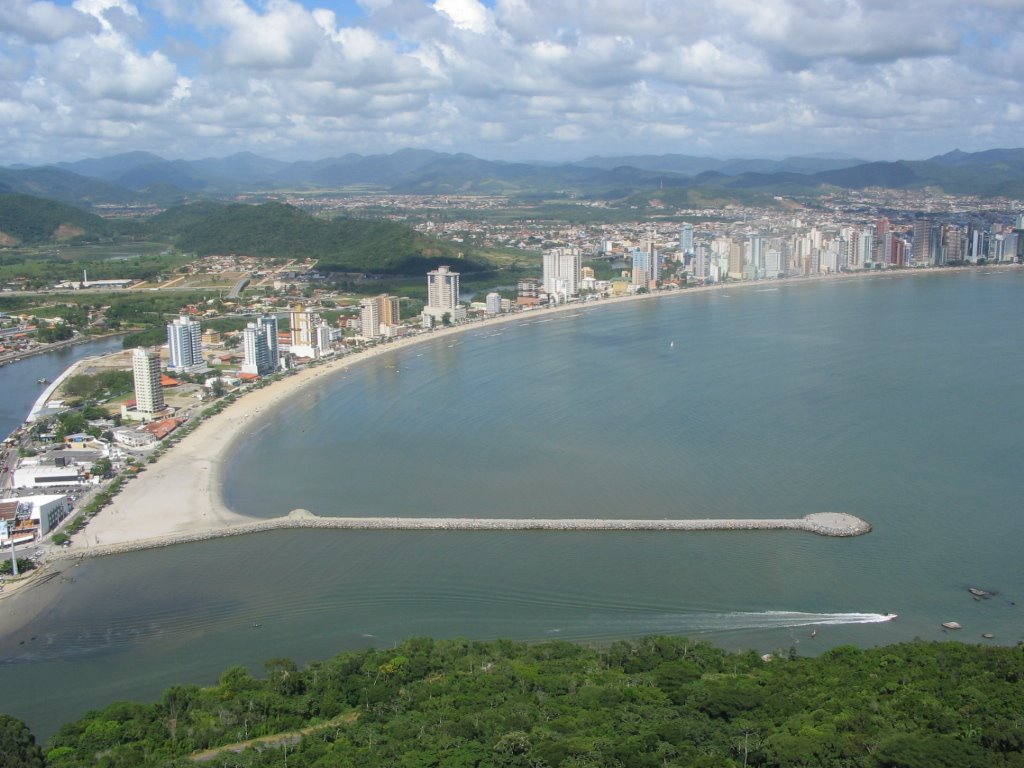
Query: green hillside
(653, 703)
(27, 220)
(279, 230)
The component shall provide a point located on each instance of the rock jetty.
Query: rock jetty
(823, 523)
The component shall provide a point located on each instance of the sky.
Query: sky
(554, 80)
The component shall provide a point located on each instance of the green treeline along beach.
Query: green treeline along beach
(659, 701)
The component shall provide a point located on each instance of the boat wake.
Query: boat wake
(700, 623)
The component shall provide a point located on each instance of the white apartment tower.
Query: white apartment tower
(323, 337)
(259, 346)
(184, 345)
(442, 295)
(149, 392)
(562, 268)
(256, 355)
(493, 303)
(443, 289)
(369, 318)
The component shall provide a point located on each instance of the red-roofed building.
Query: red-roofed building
(167, 381)
(161, 429)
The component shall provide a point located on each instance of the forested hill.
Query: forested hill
(27, 220)
(647, 704)
(279, 230)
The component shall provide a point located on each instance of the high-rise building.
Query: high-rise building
(303, 332)
(149, 392)
(924, 245)
(493, 303)
(752, 252)
(302, 324)
(699, 265)
(323, 337)
(686, 240)
(256, 350)
(185, 345)
(865, 247)
(953, 244)
(390, 309)
(268, 324)
(645, 264)
(735, 256)
(442, 295)
(369, 318)
(562, 272)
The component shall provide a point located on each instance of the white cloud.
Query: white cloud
(43, 22)
(509, 77)
(464, 14)
(284, 36)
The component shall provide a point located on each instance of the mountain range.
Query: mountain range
(143, 177)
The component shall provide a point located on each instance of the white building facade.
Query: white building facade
(185, 346)
(149, 392)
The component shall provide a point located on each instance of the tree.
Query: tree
(24, 566)
(18, 748)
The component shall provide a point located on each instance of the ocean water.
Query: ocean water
(894, 399)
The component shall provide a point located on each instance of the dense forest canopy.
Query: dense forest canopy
(279, 230)
(27, 220)
(206, 228)
(651, 703)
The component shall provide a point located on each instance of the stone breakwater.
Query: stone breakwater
(822, 523)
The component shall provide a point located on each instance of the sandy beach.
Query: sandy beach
(181, 492)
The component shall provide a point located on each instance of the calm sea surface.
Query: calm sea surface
(895, 399)
(19, 385)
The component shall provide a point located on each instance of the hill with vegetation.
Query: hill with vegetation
(27, 220)
(651, 703)
(279, 230)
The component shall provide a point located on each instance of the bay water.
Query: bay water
(892, 398)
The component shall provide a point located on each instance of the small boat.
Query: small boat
(951, 625)
(42, 381)
(977, 592)
(814, 633)
(988, 635)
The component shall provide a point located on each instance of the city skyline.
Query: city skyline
(508, 79)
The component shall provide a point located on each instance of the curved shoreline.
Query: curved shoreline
(182, 493)
(179, 499)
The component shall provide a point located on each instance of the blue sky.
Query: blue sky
(509, 79)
